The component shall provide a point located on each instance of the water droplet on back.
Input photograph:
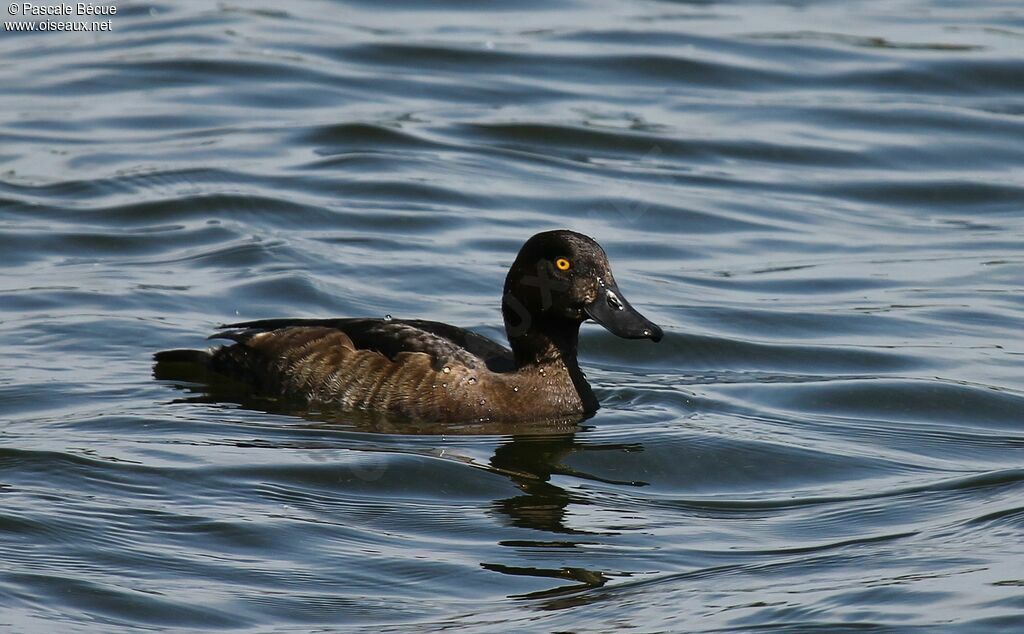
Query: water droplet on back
(388, 317)
(446, 370)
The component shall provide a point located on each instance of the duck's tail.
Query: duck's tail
(178, 365)
(199, 357)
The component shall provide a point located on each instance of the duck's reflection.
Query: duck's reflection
(530, 455)
(530, 460)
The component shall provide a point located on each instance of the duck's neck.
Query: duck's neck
(549, 346)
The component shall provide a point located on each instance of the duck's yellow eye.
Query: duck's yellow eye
(562, 264)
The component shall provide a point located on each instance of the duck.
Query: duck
(428, 370)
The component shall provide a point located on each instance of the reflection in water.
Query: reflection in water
(533, 453)
(585, 579)
(530, 461)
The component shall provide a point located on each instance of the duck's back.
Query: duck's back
(407, 367)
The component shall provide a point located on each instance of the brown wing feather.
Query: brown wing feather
(323, 364)
(443, 342)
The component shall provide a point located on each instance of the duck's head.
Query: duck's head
(563, 277)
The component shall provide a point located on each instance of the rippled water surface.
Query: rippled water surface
(822, 203)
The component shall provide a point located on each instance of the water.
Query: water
(822, 203)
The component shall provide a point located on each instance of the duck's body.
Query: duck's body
(411, 368)
(430, 370)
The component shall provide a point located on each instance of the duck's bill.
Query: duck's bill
(612, 311)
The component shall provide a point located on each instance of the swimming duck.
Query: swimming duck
(431, 370)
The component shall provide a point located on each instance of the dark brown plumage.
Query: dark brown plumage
(429, 370)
